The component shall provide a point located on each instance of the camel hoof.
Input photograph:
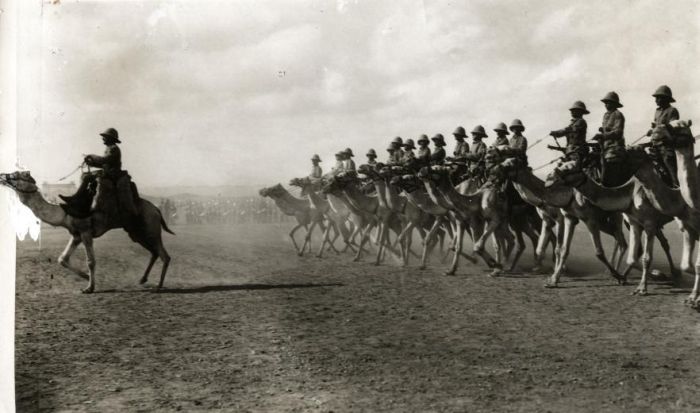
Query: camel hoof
(495, 273)
(691, 300)
(550, 284)
(422, 267)
(640, 292)
(143, 280)
(449, 273)
(88, 290)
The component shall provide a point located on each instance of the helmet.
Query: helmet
(348, 152)
(612, 97)
(340, 154)
(459, 132)
(664, 90)
(479, 131)
(516, 123)
(578, 105)
(371, 152)
(439, 139)
(423, 138)
(409, 144)
(316, 158)
(111, 133)
(501, 127)
(398, 140)
(391, 147)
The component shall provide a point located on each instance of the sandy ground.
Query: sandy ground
(246, 325)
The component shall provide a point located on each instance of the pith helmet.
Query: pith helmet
(423, 138)
(339, 154)
(578, 105)
(459, 132)
(439, 139)
(409, 144)
(348, 152)
(479, 131)
(391, 147)
(517, 124)
(111, 133)
(316, 158)
(371, 152)
(612, 97)
(397, 140)
(501, 127)
(664, 90)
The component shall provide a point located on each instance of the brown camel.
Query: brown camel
(298, 208)
(144, 229)
(574, 208)
(630, 199)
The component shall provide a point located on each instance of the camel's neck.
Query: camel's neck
(316, 200)
(380, 186)
(459, 201)
(360, 201)
(688, 176)
(337, 204)
(393, 199)
(666, 200)
(435, 195)
(290, 204)
(537, 194)
(424, 202)
(609, 199)
(50, 213)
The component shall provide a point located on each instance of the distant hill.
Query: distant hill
(201, 191)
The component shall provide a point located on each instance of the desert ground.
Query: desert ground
(246, 325)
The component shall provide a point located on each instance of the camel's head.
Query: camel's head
(408, 182)
(429, 173)
(365, 169)
(339, 181)
(272, 191)
(677, 134)
(567, 174)
(19, 181)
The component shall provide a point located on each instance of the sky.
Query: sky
(245, 92)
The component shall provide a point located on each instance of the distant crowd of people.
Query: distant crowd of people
(220, 210)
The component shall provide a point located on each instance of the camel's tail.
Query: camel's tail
(165, 226)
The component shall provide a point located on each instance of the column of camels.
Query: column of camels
(399, 205)
(403, 204)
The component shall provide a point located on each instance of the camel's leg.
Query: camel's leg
(64, 259)
(459, 236)
(542, 242)
(307, 239)
(688, 247)
(692, 242)
(696, 303)
(568, 235)
(646, 260)
(481, 251)
(165, 257)
(402, 235)
(383, 232)
(519, 251)
(600, 254)
(326, 234)
(663, 241)
(291, 235)
(426, 242)
(90, 257)
(364, 235)
(632, 251)
(144, 278)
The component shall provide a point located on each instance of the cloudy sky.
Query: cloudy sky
(244, 92)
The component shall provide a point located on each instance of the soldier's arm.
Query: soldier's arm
(520, 146)
(616, 127)
(673, 115)
(560, 132)
(111, 155)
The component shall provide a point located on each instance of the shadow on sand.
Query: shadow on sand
(217, 288)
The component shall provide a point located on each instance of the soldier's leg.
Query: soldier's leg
(669, 159)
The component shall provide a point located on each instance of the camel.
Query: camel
(336, 221)
(373, 209)
(475, 209)
(630, 199)
(298, 208)
(416, 194)
(574, 208)
(145, 228)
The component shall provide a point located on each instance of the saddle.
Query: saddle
(115, 196)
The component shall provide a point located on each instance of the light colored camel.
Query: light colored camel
(574, 208)
(145, 228)
(298, 208)
(630, 199)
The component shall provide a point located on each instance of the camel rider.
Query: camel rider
(610, 136)
(476, 156)
(518, 143)
(501, 135)
(661, 150)
(438, 155)
(409, 157)
(371, 158)
(339, 164)
(462, 147)
(397, 156)
(423, 154)
(348, 163)
(391, 149)
(110, 177)
(316, 171)
(575, 133)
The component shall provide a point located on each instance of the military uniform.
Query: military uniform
(461, 149)
(316, 172)
(438, 156)
(500, 141)
(613, 147)
(662, 152)
(575, 135)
